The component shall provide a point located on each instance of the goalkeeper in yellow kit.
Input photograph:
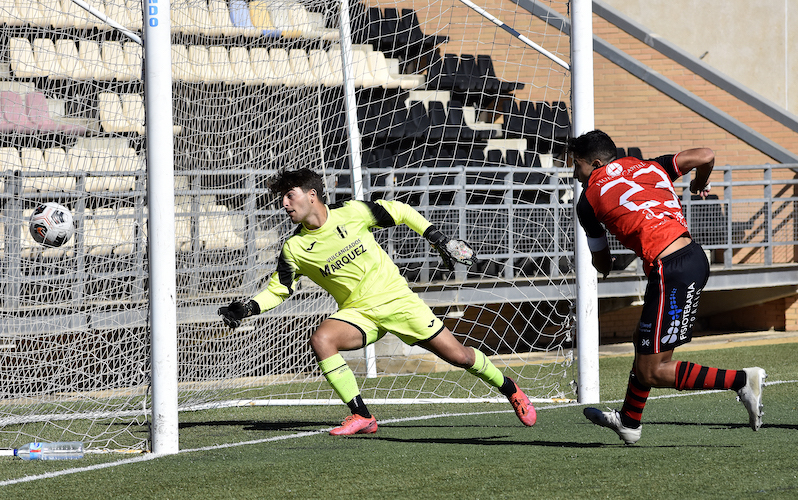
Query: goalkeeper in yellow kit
(334, 247)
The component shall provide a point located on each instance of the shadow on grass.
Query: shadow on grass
(254, 425)
(489, 441)
(719, 425)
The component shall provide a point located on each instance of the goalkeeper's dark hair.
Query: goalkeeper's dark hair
(303, 178)
(593, 145)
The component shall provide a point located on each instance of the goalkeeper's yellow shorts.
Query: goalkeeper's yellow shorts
(408, 317)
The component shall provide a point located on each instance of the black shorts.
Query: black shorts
(671, 300)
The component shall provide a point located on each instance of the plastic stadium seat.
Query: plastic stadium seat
(322, 70)
(635, 153)
(181, 19)
(222, 20)
(219, 60)
(101, 233)
(134, 59)
(201, 64)
(112, 117)
(310, 25)
(117, 10)
(405, 81)
(91, 57)
(9, 14)
(80, 162)
(15, 115)
(483, 131)
(133, 109)
(21, 59)
(378, 66)
(47, 58)
(81, 19)
(114, 61)
(57, 163)
(32, 161)
(240, 17)
(103, 168)
(282, 69)
(261, 63)
(69, 58)
(273, 18)
(361, 71)
(262, 14)
(242, 66)
(181, 65)
(38, 113)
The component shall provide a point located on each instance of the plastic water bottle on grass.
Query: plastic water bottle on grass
(64, 450)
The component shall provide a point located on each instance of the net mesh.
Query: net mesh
(455, 116)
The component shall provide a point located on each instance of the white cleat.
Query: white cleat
(612, 420)
(751, 395)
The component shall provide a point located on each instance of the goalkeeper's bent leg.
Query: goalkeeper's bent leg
(486, 370)
(342, 380)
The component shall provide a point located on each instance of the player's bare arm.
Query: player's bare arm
(702, 160)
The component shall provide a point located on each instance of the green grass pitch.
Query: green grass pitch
(694, 445)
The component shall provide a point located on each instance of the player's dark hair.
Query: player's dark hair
(593, 145)
(303, 178)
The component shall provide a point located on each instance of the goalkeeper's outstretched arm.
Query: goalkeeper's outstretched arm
(451, 250)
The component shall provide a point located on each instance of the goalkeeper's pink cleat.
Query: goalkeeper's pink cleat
(523, 408)
(355, 424)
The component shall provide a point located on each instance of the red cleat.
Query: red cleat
(523, 408)
(355, 424)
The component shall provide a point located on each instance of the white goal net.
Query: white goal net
(454, 115)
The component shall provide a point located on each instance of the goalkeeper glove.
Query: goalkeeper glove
(236, 311)
(451, 250)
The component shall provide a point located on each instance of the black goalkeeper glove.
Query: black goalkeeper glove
(451, 250)
(236, 311)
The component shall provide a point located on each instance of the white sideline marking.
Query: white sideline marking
(151, 456)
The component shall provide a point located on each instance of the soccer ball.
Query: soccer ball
(51, 224)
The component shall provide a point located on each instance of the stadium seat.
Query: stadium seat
(78, 17)
(47, 58)
(103, 171)
(222, 20)
(91, 57)
(265, 73)
(101, 233)
(378, 66)
(58, 168)
(219, 61)
(69, 59)
(15, 115)
(635, 153)
(201, 66)
(9, 14)
(309, 25)
(116, 67)
(416, 38)
(134, 59)
(80, 162)
(181, 65)
(181, 19)
(298, 60)
(361, 71)
(240, 17)
(281, 66)
(405, 81)
(21, 58)
(483, 131)
(126, 229)
(243, 68)
(265, 16)
(35, 169)
(38, 113)
(118, 11)
(322, 70)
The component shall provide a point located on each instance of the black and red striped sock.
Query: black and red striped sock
(692, 376)
(634, 402)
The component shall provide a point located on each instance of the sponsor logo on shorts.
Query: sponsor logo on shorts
(690, 303)
(431, 323)
(675, 314)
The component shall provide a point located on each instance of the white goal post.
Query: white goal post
(162, 152)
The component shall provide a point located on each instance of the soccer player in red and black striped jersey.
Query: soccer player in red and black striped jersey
(635, 201)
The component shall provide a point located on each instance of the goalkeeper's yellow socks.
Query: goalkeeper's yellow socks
(487, 371)
(342, 380)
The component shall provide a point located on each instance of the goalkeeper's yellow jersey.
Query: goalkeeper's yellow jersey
(343, 257)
